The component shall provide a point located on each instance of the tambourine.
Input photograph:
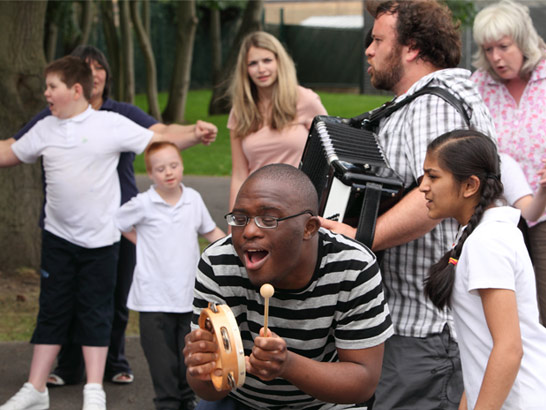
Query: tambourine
(219, 320)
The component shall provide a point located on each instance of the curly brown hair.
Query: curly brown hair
(427, 26)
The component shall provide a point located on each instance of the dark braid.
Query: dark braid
(463, 153)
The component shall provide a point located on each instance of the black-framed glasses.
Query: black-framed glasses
(264, 222)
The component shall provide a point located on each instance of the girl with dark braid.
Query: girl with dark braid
(486, 278)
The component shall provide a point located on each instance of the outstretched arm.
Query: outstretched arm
(186, 136)
(403, 223)
(351, 380)
(7, 157)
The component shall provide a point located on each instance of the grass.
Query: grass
(216, 159)
(18, 304)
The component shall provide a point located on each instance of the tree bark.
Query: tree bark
(22, 62)
(51, 40)
(112, 45)
(54, 12)
(75, 19)
(220, 101)
(215, 45)
(180, 81)
(146, 17)
(148, 53)
(86, 21)
(127, 52)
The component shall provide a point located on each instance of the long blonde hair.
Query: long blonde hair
(507, 18)
(244, 93)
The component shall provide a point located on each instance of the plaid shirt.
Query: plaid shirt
(404, 137)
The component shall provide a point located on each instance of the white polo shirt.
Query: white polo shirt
(167, 249)
(80, 156)
(494, 256)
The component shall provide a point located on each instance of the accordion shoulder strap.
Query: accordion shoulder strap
(370, 120)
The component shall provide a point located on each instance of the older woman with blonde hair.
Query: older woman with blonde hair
(271, 114)
(511, 77)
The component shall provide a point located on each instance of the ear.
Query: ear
(78, 91)
(311, 228)
(471, 186)
(411, 52)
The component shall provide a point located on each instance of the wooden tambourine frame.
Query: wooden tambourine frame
(219, 320)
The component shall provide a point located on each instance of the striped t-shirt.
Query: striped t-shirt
(343, 306)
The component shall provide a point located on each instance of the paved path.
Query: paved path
(14, 365)
(15, 356)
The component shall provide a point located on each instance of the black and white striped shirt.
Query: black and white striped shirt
(343, 306)
(404, 137)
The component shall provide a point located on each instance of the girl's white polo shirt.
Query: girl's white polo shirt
(167, 249)
(494, 256)
(80, 158)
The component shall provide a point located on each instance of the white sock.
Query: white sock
(93, 386)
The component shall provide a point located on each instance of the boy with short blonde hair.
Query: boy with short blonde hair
(167, 220)
(80, 149)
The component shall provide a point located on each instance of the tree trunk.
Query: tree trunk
(146, 17)
(220, 102)
(51, 40)
(215, 45)
(112, 45)
(148, 53)
(86, 21)
(53, 20)
(22, 62)
(180, 82)
(72, 20)
(127, 52)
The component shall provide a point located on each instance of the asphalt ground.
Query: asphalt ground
(15, 356)
(14, 366)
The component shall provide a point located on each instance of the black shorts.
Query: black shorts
(76, 288)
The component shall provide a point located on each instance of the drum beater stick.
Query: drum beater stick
(266, 291)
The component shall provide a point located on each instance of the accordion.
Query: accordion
(352, 177)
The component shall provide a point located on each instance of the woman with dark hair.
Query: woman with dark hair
(486, 278)
(70, 368)
(102, 76)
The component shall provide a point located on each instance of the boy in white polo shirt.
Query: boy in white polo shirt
(165, 222)
(80, 148)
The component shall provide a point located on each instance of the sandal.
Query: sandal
(123, 378)
(54, 380)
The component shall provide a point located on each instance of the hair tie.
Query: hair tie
(492, 176)
(453, 261)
